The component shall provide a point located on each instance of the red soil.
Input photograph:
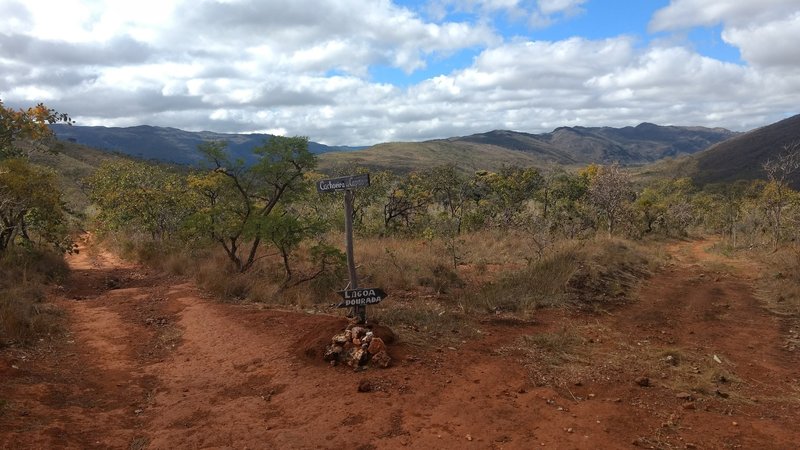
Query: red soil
(149, 362)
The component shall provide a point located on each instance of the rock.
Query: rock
(376, 346)
(364, 386)
(381, 359)
(685, 396)
(332, 352)
(340, 339)
(357, 357)
(357, 332)
(722, 394)
(689, 405)
(643, 381)
(356, 341)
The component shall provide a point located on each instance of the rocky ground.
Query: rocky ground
(148, 362)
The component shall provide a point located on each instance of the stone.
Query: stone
(364, 386)
(356, 357)
(643, 381)
(340, 339)
(381, 359)
(722, 394)
(357, 332)
(689, 405)
(685, 396)
(332, 352)
(376, 346)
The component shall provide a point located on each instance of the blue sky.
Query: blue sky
(598, 19)
(359, 72)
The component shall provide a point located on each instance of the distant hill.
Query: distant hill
(72, 163)
(742, 157)
(168, 144)
(642, 144)
(408, 156)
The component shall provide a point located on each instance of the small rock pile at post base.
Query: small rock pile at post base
(357, 347)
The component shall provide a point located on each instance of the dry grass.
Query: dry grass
(779, 285)
(554, 348)
(592, 275)
(24, 314)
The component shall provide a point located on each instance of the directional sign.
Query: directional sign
(343, 183)
(361, 297)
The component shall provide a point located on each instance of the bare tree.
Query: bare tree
(610, 192)
(777, 193)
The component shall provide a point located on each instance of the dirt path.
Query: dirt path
(150, 363)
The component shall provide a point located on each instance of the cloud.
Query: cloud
(683, 14)
(249, 66)
(764, 31)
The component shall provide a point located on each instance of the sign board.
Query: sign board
(361, 297)
(343, 183)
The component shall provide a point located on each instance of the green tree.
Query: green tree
(30, 206)
(237, 201)
(141, 196)
(29, 124)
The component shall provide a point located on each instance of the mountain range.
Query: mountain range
(169, 144)
(564, 146)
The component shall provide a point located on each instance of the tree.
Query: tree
(30, 201)
(237, 200)
(31, 124)
(777, 193)
(407, 201)
(30, 206)
(610, 193)
(143, 196)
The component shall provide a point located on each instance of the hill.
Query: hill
(743, 156)
(564, 146)
(168, 144)
(72, 163)
(408, 156)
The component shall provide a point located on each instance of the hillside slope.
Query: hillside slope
(408, 156)
(743, 156)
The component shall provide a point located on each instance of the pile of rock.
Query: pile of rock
(357, 346)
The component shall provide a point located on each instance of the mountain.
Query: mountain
(629, 145)
(743, 156)
(642, 144)
(168, 144)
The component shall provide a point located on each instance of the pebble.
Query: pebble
(643, 381)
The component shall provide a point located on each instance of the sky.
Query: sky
(360, 72)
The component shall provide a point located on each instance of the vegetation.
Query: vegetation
(33, 226)
(508, 240)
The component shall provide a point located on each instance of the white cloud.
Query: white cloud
(304, 68)
(683, 14)
(765, 31)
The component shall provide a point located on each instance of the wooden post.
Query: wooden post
(360, 312)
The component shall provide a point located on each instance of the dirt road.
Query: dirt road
(148, 362)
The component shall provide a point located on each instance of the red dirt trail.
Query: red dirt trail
(149, 362)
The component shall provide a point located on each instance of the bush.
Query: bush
(584, 274)
(24, 314)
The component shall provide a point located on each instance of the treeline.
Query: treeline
(271, 207)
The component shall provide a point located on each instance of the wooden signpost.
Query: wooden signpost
(353, 297)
